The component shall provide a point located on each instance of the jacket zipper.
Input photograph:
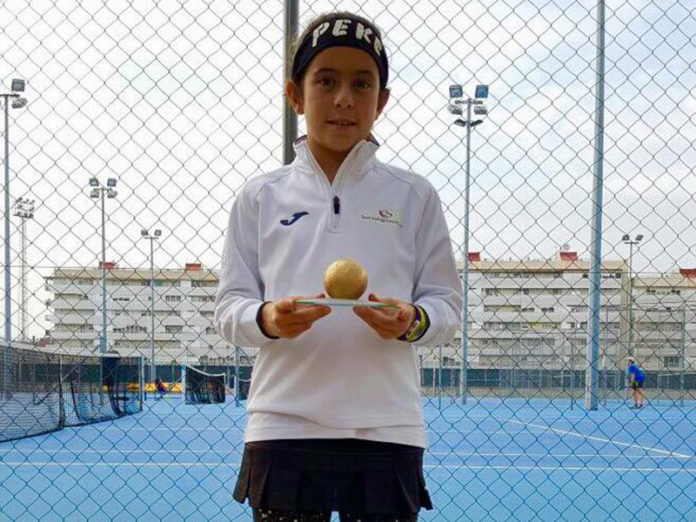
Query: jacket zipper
(336, 213)
(335, 201)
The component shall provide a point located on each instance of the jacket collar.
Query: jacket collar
(358, 161)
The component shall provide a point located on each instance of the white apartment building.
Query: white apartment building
(664, 319)
(522, 314)
(184, 304)
(534, 314)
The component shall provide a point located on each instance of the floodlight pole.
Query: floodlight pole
(153, 367)
(468, 123)
(24, 209)
(8, 259)
(102, 341)
(146, 235)
(629, 345)
(683, 354)
(464, 381)
(99, 192)
(292, 15)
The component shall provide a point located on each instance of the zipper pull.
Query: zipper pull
(337, 205)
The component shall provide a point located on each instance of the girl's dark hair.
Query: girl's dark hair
(311, 26)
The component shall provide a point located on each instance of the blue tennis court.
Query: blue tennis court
(491, 459)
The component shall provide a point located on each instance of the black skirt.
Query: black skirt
(350, 475)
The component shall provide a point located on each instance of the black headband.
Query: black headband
(345, 32)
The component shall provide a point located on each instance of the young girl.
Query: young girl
(335, 418)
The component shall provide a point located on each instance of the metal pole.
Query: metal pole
(605, 350)
(237, 381)
(421, 372)
(464, 382)
(153, 367)
(23, 305)
(439, 378)
(292, 15)
(683, 354)
(592, 352)
(630, 314)
(102, 344)
(8, 289)
(572, 373)
(630, 298)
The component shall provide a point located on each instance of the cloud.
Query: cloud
(184, 105)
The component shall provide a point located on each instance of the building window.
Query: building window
(173, 328)
(172, 298)
(202, 298)
(671, 361)
(201, 284)
(131, 329)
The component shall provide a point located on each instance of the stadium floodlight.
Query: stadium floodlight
(626, 238)
(456, 107)
(17, 85)
(98, 192)
(23, 209)
(16, 103)
(480, 110)
(145, 234)
(481, 91)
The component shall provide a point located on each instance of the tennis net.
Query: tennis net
(101, 387)
(41, 392)
(204, 388)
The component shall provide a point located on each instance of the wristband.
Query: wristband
(418, 327)
(259, 322)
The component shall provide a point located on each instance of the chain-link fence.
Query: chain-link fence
(141, 122)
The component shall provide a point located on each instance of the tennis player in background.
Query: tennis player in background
(636, 380)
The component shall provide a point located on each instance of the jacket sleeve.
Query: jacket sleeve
(437, 286)
(241, 290)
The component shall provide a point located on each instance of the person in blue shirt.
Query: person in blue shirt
(636, 379)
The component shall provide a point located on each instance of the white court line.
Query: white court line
(236, 465)
(240, 428)
(558, 455)
(600, 439)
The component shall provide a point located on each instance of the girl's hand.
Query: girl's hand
(287, 319)
(389, 323)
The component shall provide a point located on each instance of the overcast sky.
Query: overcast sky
(181, 102)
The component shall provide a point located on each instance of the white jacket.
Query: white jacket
(285, 228)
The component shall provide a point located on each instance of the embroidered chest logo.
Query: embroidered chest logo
(383, 215)
(295, 217)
